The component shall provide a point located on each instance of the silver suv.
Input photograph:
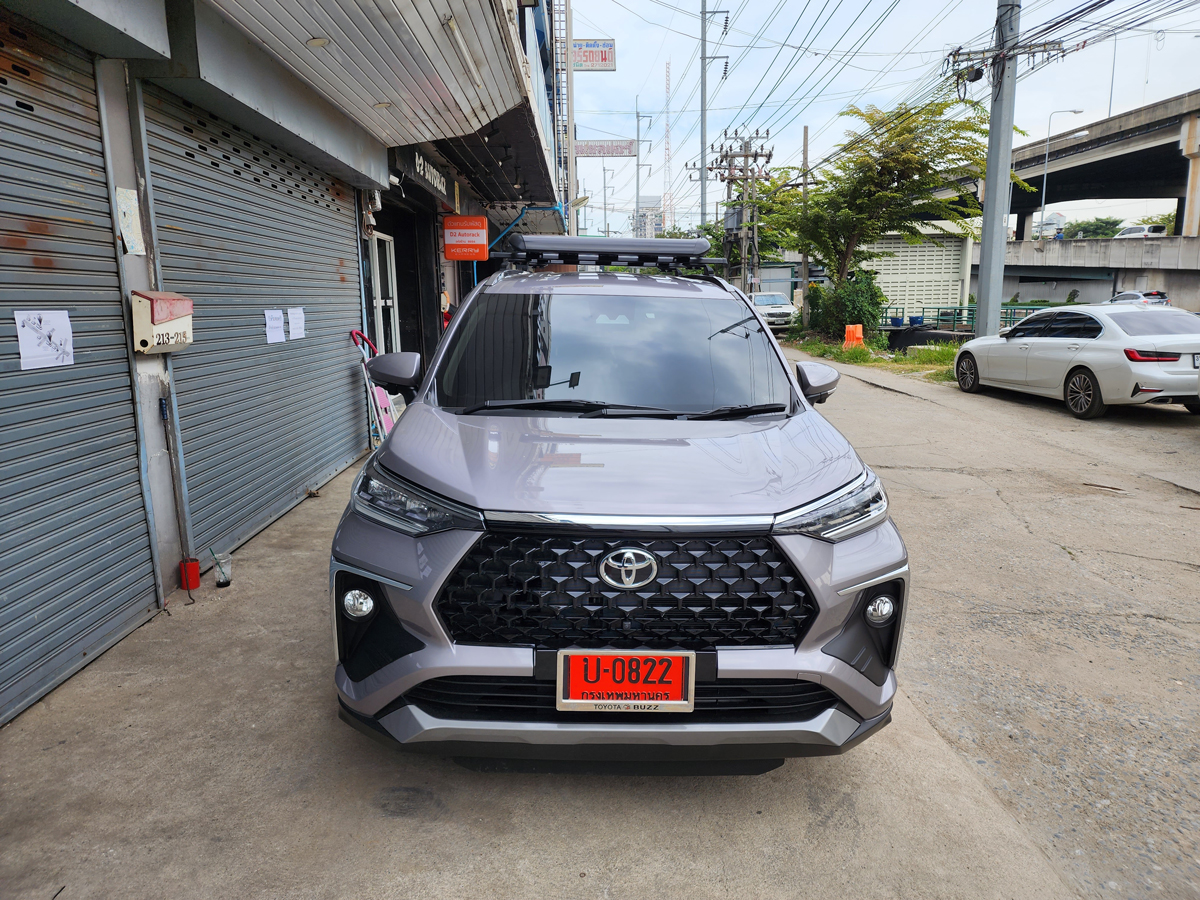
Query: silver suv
(610, 525)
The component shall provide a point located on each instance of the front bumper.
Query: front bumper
(833, 731)
(411, 572)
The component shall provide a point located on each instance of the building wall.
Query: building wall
(927, 274)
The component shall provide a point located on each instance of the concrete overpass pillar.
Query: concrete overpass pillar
(1023, 226)
(1189, 143)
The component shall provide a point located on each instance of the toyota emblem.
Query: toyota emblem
(628, 568)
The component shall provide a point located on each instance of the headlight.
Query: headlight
(399, 505)
(847, 511)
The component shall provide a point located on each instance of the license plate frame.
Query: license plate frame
(678, 695)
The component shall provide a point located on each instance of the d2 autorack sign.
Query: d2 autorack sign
(466, 237)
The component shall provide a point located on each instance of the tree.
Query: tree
(1167, 218)
(902, 170)
(1101, 227)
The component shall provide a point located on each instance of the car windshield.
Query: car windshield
(690, 354)
(770, 300)
(1139, 324)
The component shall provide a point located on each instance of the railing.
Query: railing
(956, 318)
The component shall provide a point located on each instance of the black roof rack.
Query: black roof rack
(662, 253)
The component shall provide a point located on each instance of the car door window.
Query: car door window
(1031, 327)
(1072, 325)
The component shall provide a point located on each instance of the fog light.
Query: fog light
(359, 603)
(880, 610)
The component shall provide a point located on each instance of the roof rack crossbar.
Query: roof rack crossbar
(662, 253)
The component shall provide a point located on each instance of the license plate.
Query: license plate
(1196, 360)
(626, 681)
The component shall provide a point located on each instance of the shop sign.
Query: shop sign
(466, 237)
(605, 148)
(593, 55)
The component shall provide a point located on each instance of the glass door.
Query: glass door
(384, 313)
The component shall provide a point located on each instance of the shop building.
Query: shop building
(198, 202)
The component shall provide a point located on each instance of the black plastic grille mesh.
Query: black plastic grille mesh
(546, 591)
(527, 700)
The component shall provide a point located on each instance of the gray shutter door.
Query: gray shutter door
(76, 572)
(243, 228)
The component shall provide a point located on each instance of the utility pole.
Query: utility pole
(637, 200)
(1002, 62)
(743, 154)
(705, 12)
(604, 191)
(999, 166)
(804, 256)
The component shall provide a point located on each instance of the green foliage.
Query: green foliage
(903, 170)
(825, 350)
(936, 354)
(1167, 218)
(878, 342)
(1101, 227)
(856, 301)
(1073, 295)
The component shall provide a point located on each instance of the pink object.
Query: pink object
(166, 306)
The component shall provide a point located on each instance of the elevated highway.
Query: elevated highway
(1149, 152)
(1050, 270)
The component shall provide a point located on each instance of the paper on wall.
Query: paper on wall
(295, 322)
(44, 338)
(130, 217)
(275, 333)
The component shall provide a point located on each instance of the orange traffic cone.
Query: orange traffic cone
(854, 337)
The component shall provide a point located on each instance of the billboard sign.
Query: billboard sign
(593, 55)
(605, 148)
(466, 237)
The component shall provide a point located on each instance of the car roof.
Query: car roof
(628, 283)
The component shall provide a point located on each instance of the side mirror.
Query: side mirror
(817, 380)
(1003, 332)
(398, 373)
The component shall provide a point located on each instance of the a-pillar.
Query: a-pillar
(1189, 205)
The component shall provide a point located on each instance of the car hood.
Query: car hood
(563, 464)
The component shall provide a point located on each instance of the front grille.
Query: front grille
(508, 699)
(546, 592)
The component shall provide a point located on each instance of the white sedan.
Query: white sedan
(1092, 359)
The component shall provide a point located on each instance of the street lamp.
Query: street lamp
(1046, 169)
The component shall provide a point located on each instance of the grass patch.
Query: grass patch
(934, 362)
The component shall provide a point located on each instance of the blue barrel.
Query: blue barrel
(897, 321)
(916, 320)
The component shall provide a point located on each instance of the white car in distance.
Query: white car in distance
(1141, 231)
(776, 308)
(1151, 298)
(1093, 359)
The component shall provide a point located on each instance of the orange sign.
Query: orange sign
(466, 237)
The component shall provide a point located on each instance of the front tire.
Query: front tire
(1082, 395)
(967, 372)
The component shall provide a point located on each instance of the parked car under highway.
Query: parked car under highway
(1092, 359)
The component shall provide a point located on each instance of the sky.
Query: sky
(835, 53)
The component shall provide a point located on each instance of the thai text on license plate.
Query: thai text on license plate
(626, 680)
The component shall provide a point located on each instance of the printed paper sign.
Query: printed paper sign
(130, 216)
(295, 322)
(466, 237)
(275, 333)
(44, 338)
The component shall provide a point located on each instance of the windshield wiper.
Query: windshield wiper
(563, 405)
(740, 412)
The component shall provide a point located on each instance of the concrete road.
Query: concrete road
(1054, 630)
(1044, 745)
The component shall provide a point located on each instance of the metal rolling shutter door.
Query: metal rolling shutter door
(243, 228)
(76, 572)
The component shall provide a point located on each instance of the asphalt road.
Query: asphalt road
(1044, 744)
